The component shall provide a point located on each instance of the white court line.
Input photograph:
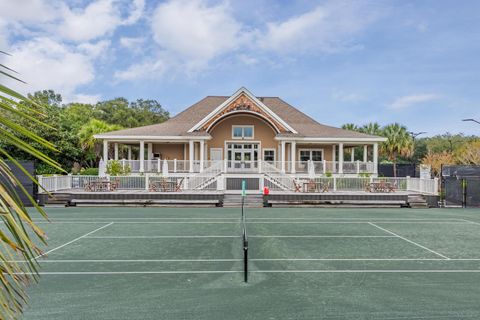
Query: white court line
(473, 222)
(370, 271)
(250, 236)
(258, 218)
(133, 261)
(255, 222)
(159, 237)
(70, 242)
(410, 241)
(252, 271)
(253, 259)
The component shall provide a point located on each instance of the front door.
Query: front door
(242, 157)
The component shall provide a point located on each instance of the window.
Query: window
(309, 154)
(237, 132)
(242, 132)
(304, 155)
(269, 155)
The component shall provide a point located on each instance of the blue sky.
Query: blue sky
(414, 62)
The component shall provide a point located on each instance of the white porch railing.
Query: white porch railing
(208, 180)
(179, 166)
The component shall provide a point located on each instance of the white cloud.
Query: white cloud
(47, 64)
(85, 98)
(410, 100)
(327, 28)
(194, 32)
(132, 43)
(136, 12)
(96, 20)
(95, 50)
(343, 96)
(27, 11)
(146, 69)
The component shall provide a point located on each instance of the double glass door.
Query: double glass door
(242, 156)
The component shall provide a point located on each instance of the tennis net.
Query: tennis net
(245, 242)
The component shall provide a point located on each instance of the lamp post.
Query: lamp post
(414, 135)
(473, 120)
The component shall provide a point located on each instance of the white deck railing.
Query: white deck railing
(208, 180)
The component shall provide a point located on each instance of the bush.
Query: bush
(328, 174)
(45, 169)
(89, 172)
(115, 168)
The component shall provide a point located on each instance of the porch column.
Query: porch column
(282, 161)
(105, 150)
(202, 154)
(293, 153)
(142, 156)
(340, 158)
(365, 153)
(190, 154)
(334, 158)
(115, 154)
(375, 158)
(352, 154)
(129, 152)
(149, 151)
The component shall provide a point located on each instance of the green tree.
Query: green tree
(399, 142)
(129, 115)
(372, 128)
(17, 238)
(89, 144)
(350, 126)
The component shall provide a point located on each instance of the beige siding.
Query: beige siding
(327, 150)
(170, 151)
(222, 132)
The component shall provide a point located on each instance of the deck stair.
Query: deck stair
(204, 179)
(59, 199)
(235, 200)
(417, 201)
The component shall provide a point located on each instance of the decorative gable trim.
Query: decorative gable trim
(243, 100)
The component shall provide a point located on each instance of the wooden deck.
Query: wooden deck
(139, 197)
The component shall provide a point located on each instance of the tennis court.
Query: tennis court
(304, 263)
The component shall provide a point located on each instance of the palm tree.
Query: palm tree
(87, 140)
(350, 126)
(399, 142)
(372, 128)
(17, 238)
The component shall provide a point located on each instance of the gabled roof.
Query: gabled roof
(182, 124)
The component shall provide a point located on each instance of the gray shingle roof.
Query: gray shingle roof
(184, 121)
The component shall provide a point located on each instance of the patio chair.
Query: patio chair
(325, 187)
(114, 184)
(178, 185)
(298, 187)
(391, 187)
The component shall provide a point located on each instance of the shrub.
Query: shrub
(45, 169)
(115, 168)
(328, 174)
(89, 172)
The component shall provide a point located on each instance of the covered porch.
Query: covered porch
(290, 157)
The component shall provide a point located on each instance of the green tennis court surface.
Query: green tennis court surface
(186, 263)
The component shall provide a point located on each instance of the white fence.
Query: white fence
(212, 179)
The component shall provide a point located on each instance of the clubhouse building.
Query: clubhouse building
(243, 136)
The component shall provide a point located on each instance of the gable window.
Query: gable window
(242, 132)
(311, 154)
